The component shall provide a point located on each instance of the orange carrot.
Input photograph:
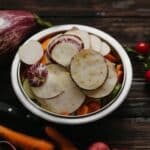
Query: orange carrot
(120, 75)
(83, 110)
(119, 72)
(23, 141)
(93, 106)
(44, 59)
(65, 113)
(111, 58)
(45, 43)
(119, 67)
(64, 143)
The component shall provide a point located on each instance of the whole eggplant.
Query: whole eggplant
(15, 26)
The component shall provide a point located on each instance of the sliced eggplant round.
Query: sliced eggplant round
(52, 87)
(96, 43)
(27, 89)
(31, 52)
(83, 35)
(99, 46)
(67, 102)
(108, 86)
(63, 48)
(88, 69)
(65, 38)
(105, 49)
(63, 52)
(53, 39)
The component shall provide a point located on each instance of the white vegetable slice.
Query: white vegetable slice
(65, 38)
(67, 102)
(105, 49)
(27, 89)
(31, 52)
(108, 86)
(96, 43)
(84, 36)
(63, 52)
(63, 48)
(52, 87)
(99, 46)
(54, 37)
(88, 69)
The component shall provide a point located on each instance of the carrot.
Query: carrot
(45, 43)
(120, 75)
(119, 72)
(65, 113)
(93, 106)
(44, 59)
(64, 143)
(23, 141)
(111, 58)
(119, 67)
(83, 110)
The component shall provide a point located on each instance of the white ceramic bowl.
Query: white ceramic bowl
(110, 107)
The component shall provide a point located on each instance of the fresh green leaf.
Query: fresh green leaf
(130, 50)
(42, 22)
(147, 63)
(148, 59)
(116, 90)
(145, 66)
(144, 59)
(141, 57)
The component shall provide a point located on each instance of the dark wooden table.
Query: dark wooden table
(126, 20)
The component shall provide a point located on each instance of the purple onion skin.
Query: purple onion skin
(37, 74)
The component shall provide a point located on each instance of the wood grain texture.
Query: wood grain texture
(132, 133)
(126, 20)
(103, 8)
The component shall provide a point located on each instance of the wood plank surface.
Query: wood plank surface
(103, 8)
(126, 20)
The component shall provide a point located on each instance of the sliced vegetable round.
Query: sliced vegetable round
(31, 52)
(63, 48)
(52, 87)
(99, 46)
(63, 53)
(84, 36)
(67, 102)
(96, 43)
(50, 40)
(88, 69)
(105, 49)
(27, 89)
(108, 86)
(64, 38)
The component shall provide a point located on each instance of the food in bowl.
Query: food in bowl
(71, 73)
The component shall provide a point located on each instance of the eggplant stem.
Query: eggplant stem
(42, 22)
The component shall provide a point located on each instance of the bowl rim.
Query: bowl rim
(128, 75)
